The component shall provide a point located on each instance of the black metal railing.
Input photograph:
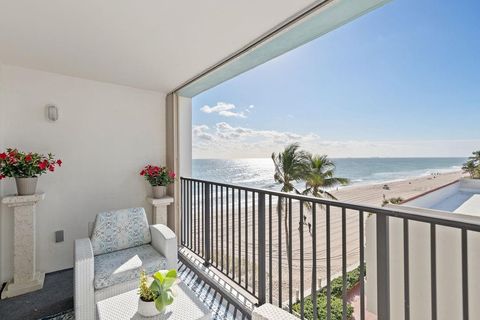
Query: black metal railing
(281, 248)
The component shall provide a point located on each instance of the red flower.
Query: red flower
(42, 165)
(51, 167)
(59, 162)
(3, 156)
(171, 174)
(151, 171)
(28, 158)
(13, 153)
(142, 173)
(2, 176)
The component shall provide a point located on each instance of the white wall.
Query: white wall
(104, 135)
(2, 146)
(449, 274)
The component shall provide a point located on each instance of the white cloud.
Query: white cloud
(221, 106)
(199, 132)
(232, 114)
(223, 109)
(226, 141)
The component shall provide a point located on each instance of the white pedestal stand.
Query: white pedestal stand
(25, 277)
(160, 209)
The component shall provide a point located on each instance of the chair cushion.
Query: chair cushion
(118, 230)
(125, 265)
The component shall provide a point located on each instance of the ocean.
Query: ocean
(258, 173)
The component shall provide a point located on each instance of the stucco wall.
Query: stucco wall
(2, 146)
(449, 275)
(104, 135)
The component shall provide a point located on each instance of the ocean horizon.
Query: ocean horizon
(258, 172)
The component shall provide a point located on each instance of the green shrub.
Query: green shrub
(397, 200)
(336, 285)
(353, 277)
(336, 308)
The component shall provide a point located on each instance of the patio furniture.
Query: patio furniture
(108, 263)
(125, 305)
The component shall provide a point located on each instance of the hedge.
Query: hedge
(336, 308)
(353, 277)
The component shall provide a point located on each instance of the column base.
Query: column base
(13, 289)
(159, 215)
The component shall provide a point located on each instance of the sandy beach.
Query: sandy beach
(373, 194)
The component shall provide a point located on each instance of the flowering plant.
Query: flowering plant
(158, 176)
(160, 290)
(18, 164)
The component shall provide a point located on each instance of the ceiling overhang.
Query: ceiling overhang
(300, 29)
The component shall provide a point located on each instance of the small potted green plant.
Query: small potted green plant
(159, 178)
(154, 298)
(25, 168)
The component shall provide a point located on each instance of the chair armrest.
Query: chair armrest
(271, 312)
(165, 242)
(84, 299)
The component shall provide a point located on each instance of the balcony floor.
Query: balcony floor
(221, 306)
(55, 300)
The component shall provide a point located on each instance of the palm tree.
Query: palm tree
(290, 167)
(472, 166)
(320, 177)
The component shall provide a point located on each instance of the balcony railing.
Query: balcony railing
(281, 248)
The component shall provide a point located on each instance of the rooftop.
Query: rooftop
(462, 196)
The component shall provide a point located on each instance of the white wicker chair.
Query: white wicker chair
(120, 254)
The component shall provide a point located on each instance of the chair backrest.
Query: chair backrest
(121, 229)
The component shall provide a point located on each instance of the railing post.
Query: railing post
(206, 223)
(383, 268)
(262, 283)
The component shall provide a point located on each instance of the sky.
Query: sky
(401, 81)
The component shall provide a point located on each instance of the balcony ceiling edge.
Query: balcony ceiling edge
(305, 27)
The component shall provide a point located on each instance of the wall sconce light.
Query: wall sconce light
(52, 112)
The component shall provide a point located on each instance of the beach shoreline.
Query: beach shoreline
(259, 173)
(373, 194)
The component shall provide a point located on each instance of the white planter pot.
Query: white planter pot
(147, 309)
(26, 186)
(159, 191)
